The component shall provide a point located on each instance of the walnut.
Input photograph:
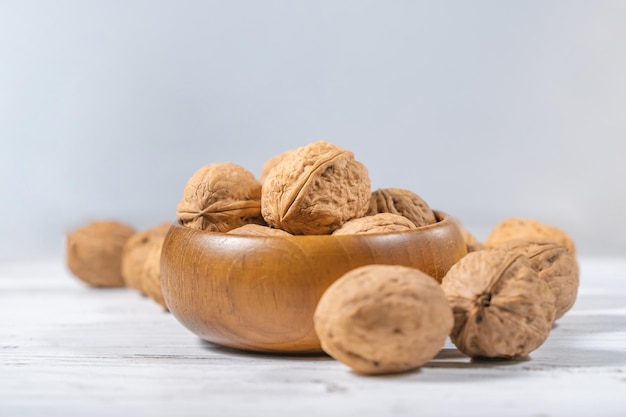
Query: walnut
(378, 223)
(152, 273)
(135, 252)
(220, 197)
(383, 318)
(555, 265)
(502, 309)
(315, 189)
(514, 228)
(94, 252)
(403, 202)
(270, 164)
(257, 230)
(471, 242)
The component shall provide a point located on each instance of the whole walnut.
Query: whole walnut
(315, 189)
(94, 252)
(152, 273)
(383, 318)
(220, 197)
(471, 242)
(257, 230)
(502, 309)
(378, 223)
(403, 202)
(515, 228)
(270, 164)
(555, 265)
(135, 252)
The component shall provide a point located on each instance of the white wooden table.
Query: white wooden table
(70, 350)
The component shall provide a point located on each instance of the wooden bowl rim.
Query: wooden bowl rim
(443, 219)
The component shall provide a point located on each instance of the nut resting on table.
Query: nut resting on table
(113, 254)
(498, 299)
(554, 264)
(141, 254)
(383, 318)
(502, 309)
(94, 252)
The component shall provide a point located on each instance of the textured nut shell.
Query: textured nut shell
(152, 273)
(270, 164)
(471, 242)
(502, 309)
(403, 202)
(315, 189)
(555, 265)
(383, 318)
(220, 197)
(94, 252)
(136, 251)
(378, 223)
(257, 230)
(516, 228)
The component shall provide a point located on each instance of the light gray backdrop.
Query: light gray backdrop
(487, 109)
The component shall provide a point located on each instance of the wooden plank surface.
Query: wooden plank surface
(70, 350)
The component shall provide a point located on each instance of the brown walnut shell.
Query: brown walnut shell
(135, 252)
(152, 273)
(471, 242)
(555, 265)
(220, 197)
(94, 252)
(270, 164)
(378, 223)
(257, 230)
(403, 202)
(315, 189)
(383, 318)
(502, 309)
(516, 228)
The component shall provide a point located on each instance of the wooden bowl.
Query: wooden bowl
(259, 293)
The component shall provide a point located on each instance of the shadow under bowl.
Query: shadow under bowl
(259, 293)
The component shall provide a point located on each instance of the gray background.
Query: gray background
(487, 109)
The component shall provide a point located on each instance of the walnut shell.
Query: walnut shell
(383, 318)
(403, 202)
(378, 223)
(315, 189)
(270, 164)
(257, 230)
(555, 265)
(515, 228)
(152, 273)
(471, 243)
(502, 309)
(135, 252)
(220, 197)
(94, 252)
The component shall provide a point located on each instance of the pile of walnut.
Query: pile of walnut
(499, 301)
(114, 254)
(313, 190)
